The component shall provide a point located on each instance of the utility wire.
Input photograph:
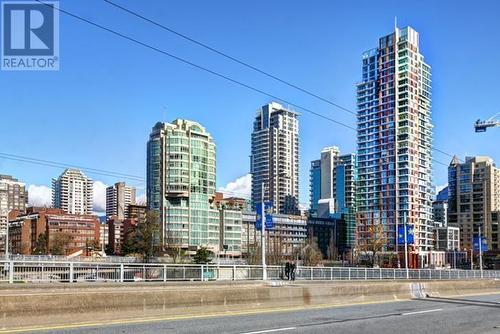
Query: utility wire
(55, 164)
(72, 166)
(232, 58)
(185, 61)
(238, 61)
(64, 166)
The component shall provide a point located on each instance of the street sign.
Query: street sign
(484, 244)
(268, 210)
(410, 234)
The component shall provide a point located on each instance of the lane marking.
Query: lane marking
(272, 330)
(107, 323)
(421, 312)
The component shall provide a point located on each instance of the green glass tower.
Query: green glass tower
(181, 184)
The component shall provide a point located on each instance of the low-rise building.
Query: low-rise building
(330, 236)
(104, 235)
(115, 235)
(288, 235)
(136, 211)
(63, 233)
(447, 238)
(249, 241)
(230, 232)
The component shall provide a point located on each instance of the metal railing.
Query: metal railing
(73, 272)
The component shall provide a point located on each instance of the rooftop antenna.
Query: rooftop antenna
(395, 23)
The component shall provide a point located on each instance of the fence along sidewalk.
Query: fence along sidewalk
(74, 272)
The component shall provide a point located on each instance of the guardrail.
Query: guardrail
(72, 272)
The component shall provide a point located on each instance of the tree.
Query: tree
(41, 245)
(59, 245)
(202, 255)
(149, 235)
(109, 250)
(178, 254)
(144, 239)
(91, 245)
(374, 243)
(130, 244)
(311, 254)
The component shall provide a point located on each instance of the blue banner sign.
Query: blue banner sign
(410, 234)
(484, 244)
(268, 212)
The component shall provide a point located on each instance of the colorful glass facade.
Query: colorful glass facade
(394, 141)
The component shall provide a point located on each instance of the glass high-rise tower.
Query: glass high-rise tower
(181, 184)
(394, 143)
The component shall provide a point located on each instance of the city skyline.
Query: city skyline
(233, 142)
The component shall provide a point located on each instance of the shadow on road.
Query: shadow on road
(460, 301)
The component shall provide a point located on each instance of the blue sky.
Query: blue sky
(98, 109)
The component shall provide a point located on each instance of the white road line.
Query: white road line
(272, 330)
(425, 311)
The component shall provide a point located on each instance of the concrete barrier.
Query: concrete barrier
(88, 302)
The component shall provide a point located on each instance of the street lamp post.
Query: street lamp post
(406, 246)
(472, 257)
(480, 253)
(6, 235)
(263, 236)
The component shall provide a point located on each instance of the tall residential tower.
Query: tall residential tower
(474, 199)
(181, 184)
(333, 180)
(118, 198)
(13, 196)
(73, 192)
(394, 142)
(275, 158)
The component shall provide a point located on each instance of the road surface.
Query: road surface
(472, 314)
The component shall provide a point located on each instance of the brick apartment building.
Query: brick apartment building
(78, 230)
(118, 228)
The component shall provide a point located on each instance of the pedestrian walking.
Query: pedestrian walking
(293, 266)
(287, 270)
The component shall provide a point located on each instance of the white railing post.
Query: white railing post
(201, 278)
(349, 274)
(71, 272)
(234, 272)
(366, 273)
(331, 273)
(394, 273)
(312, 274)
(11, 272)
(380, 271)
(164, 273)
(122, 272)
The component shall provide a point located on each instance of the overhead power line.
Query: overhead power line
(232, 58)
(185, 61)
(61, 165)
(239, 61)
(56, 164)
(215, 73)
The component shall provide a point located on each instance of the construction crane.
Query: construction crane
(481, 126)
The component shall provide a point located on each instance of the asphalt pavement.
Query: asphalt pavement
(472, 314)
